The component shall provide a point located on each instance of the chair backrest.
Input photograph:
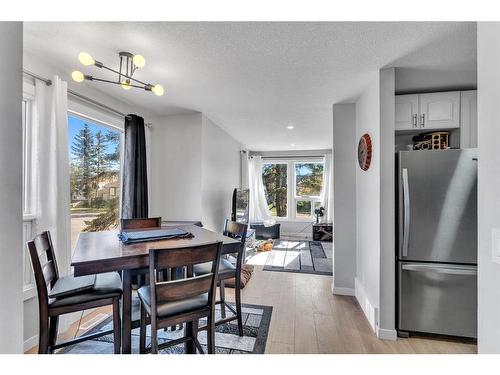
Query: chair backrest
(150, 222)
(238, 231)
(43, 259)
(168, 291)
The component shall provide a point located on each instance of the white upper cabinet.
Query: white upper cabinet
(468, 119)
(440, 110)
(406, 112)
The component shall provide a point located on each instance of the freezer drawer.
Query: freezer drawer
(438, 298)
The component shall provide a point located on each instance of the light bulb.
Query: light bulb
(126, 85)
(139, 61)
(77, 76)
(86, 59)
(158, 90)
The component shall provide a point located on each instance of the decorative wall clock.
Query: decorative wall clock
(365, 151)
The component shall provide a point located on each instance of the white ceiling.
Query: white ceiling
(254, 79)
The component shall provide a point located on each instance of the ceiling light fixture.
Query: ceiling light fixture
(129, 63)
(292, 144)
(290, 127)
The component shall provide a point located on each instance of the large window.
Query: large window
(308, 185)
(275, 177)
(29, 208)
(305, 179)
(94, 153)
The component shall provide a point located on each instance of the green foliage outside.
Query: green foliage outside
(95, 160)
(309, 182)
(275, 183)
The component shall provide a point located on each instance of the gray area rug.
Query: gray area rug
(312, 257)
(256, 320)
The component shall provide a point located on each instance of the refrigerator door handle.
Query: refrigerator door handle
(442, 270)
(406, 213)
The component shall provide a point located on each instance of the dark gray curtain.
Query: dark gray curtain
(135, 178)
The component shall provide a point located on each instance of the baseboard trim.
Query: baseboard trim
(369, 310)
(343, 291)
(387, 334)
(30, 343)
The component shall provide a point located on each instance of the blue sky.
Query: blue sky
(76, 123)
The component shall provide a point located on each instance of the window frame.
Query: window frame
(305, 198)
(29, 204)
(292, 197)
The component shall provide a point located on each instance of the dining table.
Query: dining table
(101, 252)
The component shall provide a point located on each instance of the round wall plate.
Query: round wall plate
(365, 151)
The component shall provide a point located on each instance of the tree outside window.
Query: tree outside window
(94, 152)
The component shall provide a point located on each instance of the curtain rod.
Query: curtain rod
(302, 157)
(48, 82)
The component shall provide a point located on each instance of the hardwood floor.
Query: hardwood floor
(307, 318)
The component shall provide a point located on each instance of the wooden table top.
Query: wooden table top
(98, 252)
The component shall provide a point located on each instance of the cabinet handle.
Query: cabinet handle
(414, 120)
(422, 125)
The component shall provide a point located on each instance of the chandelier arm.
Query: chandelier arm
(117, 83)
(125, 75)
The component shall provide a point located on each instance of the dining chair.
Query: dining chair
(168, 303)
(142, 223)
(139, 277)
(106, 291)
(228, 271)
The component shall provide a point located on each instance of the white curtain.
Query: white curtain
(51, 123)
(327, 191)
(258, 210)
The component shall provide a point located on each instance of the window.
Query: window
(308, 185)
(305, 177)
(94, 154)
(275, 178)
(29, 200)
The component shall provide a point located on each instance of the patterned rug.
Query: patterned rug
(256, 320)
(301, 256)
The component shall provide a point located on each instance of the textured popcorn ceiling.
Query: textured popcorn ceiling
(254, 79)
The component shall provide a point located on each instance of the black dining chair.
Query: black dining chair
(228, 271)
(105, 291)
(169, 303)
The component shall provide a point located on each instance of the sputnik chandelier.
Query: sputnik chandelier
(129, 63)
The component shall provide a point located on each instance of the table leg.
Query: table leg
(127, 312)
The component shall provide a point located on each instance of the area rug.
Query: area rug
(256, 320)
(312, 257)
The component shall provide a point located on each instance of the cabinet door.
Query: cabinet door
(468, 119)
(406, 112)
(440, 110)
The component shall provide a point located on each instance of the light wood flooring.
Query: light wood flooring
(307, 318)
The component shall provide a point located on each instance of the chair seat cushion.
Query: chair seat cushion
(165, 309)
(226, 269)
(107, 285)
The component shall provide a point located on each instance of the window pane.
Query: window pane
(275, 183)
(303, 209)
(308, 179)
(94, 153)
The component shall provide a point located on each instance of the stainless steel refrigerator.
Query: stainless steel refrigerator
(437, 242)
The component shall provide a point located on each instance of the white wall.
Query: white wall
(220, 174)
(488, 185)
(387, 313)
(195, 165)
(11, 250)
(176, 167)
(344, 192)
(368, 204)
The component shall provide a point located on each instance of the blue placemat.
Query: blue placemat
(152, 235)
